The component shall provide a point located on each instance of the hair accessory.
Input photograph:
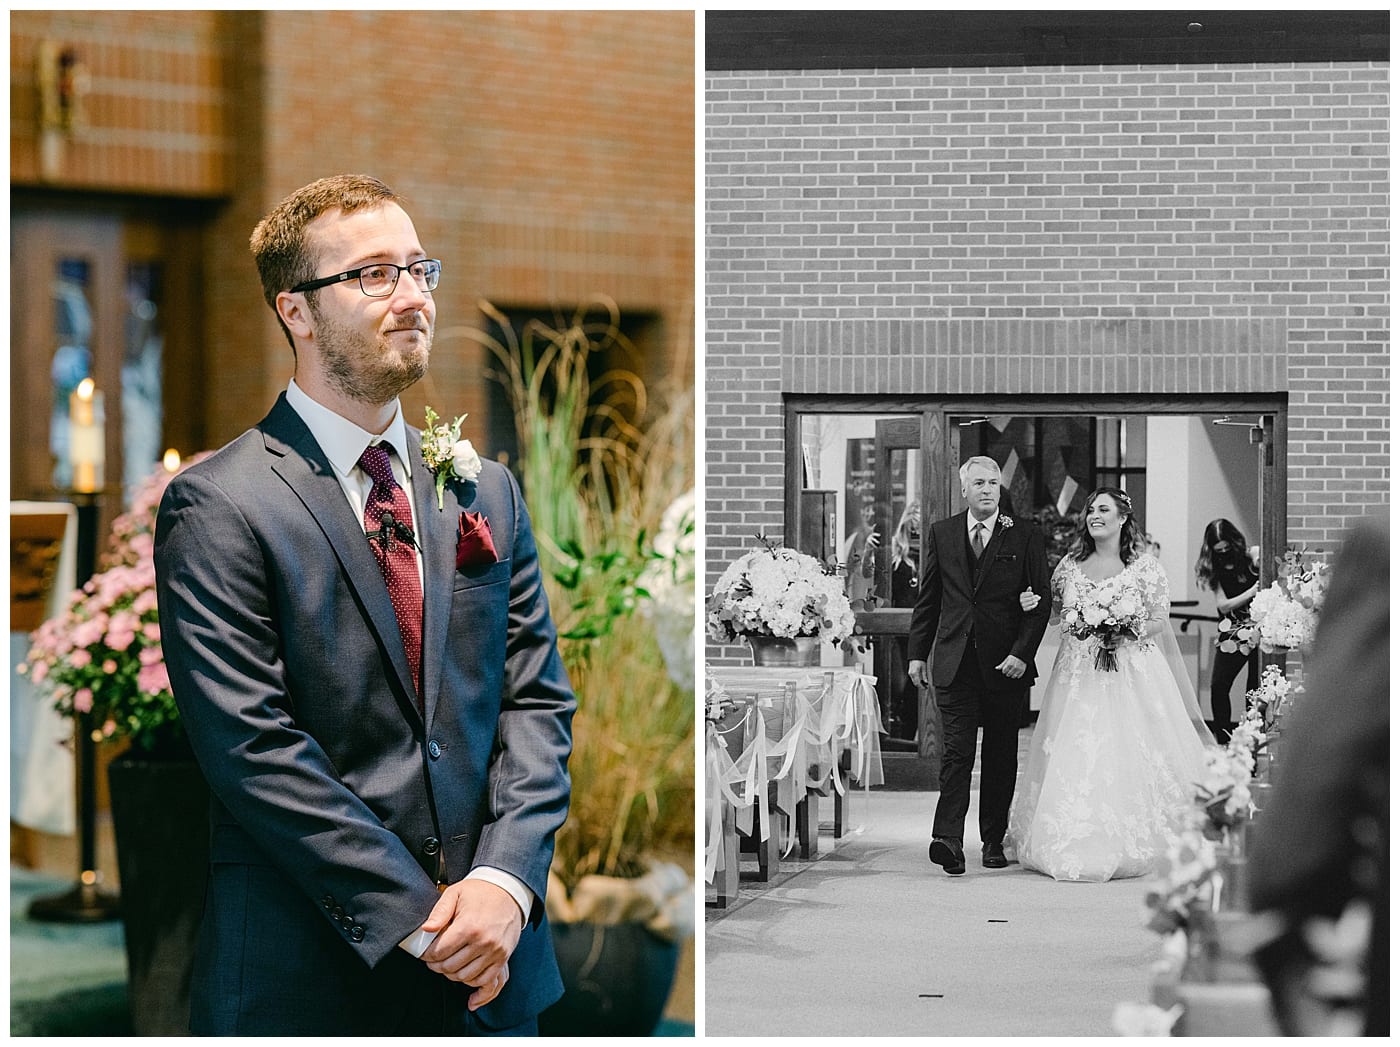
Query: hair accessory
(1128, 501)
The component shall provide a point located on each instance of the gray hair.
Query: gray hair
(979, 459)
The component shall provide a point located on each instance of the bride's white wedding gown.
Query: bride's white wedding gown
(1115, 755)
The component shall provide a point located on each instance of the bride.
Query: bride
(1120, 742)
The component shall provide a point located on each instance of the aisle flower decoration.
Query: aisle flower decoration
(1111, 613)
(1145, 1019)
(667, 584)
(101, 655)
(1285, 614)
(1223, 794)
(1183, 890)
(1263, 712)
(777, 591)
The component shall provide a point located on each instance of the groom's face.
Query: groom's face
(982, 489)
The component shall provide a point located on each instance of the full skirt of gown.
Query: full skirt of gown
(1113, 761)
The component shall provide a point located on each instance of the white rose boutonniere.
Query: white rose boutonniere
(1006, 522)
(446, 454)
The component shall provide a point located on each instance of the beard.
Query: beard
(371, 371)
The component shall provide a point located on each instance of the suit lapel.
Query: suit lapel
(303, 466)
(437, 534)
(960, 553)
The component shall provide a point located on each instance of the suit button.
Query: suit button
(338, 913)
(357, 933)
(431, 845)
(434, 750)
(327, 902)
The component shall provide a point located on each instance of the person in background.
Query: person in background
(1230, 569)
(1319, 859)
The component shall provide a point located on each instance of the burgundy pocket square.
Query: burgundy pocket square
(474, 545)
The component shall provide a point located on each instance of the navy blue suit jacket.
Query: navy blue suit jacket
(338, 806)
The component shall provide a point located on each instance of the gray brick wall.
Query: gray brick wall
(1202, 229)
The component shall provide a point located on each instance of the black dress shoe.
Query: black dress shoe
(949, 854)
(993, 857)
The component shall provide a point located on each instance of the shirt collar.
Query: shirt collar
(341, 439)
(990, 523)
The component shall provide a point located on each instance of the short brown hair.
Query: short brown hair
(279, 241)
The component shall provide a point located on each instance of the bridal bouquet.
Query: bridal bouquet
(1110, 614)
(776, 591)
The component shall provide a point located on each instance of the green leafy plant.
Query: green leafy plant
(600, 464)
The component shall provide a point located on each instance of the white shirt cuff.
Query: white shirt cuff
(417, 943)
(524, 897)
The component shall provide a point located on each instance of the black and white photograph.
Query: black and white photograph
(1046, 489)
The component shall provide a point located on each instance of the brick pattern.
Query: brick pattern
(154, 113)
(1202, 229)
(547, 157)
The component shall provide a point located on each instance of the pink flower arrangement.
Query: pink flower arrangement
(101, 655)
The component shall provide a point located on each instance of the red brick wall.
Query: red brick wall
(154, 107)
(935, 231)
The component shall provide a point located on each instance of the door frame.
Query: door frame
(1266, 413)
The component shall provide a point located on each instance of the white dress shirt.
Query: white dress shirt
(987, 526)
(343, 442)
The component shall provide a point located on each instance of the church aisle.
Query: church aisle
(873, 939)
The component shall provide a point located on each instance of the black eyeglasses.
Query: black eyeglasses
(379, 279)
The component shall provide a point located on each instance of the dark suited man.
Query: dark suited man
(387, 771)
(983, 652)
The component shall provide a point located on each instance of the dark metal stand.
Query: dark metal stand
(85, 901)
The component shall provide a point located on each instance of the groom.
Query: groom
(366, 669)
(983, 651)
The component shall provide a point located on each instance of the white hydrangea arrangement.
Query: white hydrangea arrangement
(777, 591)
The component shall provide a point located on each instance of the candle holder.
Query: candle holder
(85, 901)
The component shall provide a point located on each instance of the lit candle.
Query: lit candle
(171, 461)
(87, 451)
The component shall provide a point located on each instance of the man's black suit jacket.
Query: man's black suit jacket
(959, 602)
(337, 805)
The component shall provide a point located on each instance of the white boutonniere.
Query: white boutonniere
(1006, 522)
(446, 455)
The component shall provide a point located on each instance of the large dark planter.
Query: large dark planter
(616, 980)
(160, 816)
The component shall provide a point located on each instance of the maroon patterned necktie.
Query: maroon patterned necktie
(389, 524)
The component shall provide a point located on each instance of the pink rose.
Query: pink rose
(82, 700)
(41, 670)
(109, 666)
(80, 659)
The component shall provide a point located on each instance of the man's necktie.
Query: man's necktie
(977, 541)
(389, 524)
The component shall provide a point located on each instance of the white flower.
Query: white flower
(1145, 1019)
(466, 463)
(1006, 522)
(778, 592)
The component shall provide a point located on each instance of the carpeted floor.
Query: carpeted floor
(872, 939)
(70, 979)
(65, 979)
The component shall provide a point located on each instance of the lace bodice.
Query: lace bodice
(1069, 584)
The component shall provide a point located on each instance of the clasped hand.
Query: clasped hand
(478, 927)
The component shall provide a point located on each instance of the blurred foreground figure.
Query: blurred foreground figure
(1321, 861)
